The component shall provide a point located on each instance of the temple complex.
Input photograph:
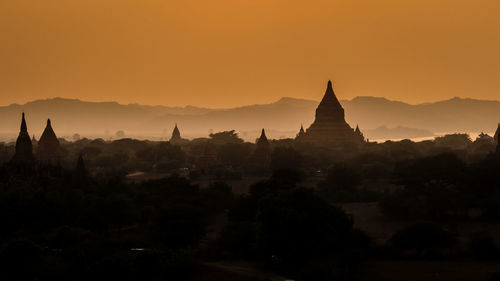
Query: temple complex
(329, 127)
(24, 148)
(48, 151)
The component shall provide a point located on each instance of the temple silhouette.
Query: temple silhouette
(262, 153)
(329, 127)
(48, 150)
(176, 135)
(24, 147)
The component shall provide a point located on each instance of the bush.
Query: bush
(483, 246)
(422, 238)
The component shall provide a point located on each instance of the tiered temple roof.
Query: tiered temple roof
(330, 127)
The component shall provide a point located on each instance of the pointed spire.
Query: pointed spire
(357, 129)
(48, 150)
(301, 129)
(24, 147)
(24, 128)
(329, 99)
(263, 135)
(329, 86)
(176, 135)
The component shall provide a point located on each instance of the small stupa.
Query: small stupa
(301, 133)
(176, 136)
(359, 134)
(262, 155)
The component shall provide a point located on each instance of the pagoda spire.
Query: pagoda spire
(262, 139)
(24, 128)
(330, 99)
(176, 135)
(261, 157)
(24, 147)
(263, 134)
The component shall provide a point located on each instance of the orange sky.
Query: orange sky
(222, 53)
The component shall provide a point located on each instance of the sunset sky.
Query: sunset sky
(224, 53)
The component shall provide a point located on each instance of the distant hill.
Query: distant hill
(378, 118)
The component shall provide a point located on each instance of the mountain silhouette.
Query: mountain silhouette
(377, 117)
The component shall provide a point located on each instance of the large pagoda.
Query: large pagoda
(330, 127)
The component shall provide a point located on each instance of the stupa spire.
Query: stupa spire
(24, 147)
(176, 135)
(24, 128)
(330, 99)
(263, 135)
(261, 157)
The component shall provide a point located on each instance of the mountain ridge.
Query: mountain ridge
(284, 116)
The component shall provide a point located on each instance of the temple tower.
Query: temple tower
(48, 151)
(359, 134)
(301, 133)
(262, 153)
(176, 135)
(24, 148)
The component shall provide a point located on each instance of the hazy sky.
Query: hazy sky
(221, 53)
